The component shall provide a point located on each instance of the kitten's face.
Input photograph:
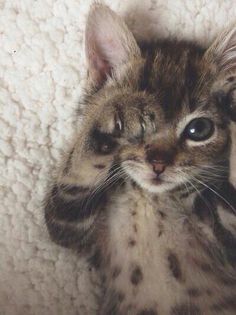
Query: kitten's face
(166, 112)
(190, 147)
(159, 150)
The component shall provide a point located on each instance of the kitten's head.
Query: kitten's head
(164, 110)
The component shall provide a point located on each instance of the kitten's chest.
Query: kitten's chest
(139, 228)
(145, 247)
(155, 259)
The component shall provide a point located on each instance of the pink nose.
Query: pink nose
(158, 166)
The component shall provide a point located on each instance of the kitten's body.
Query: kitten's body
(163, 260)
(164, 245)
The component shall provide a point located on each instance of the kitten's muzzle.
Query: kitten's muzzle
(158, 167)
(159, 159)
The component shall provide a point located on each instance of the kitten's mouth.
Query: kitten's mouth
(157, 181)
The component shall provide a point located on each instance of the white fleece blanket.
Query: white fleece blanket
(42, 71)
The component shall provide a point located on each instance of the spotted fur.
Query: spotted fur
(152, 209)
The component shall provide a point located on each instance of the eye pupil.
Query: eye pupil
(199, 129)
(102, 143)
(105, 148)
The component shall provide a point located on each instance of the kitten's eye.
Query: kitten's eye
(106, 148)
(103, 143)
(199, 129)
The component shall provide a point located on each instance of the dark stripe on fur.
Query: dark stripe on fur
(76, 209)
(186, 309)
(227, 303)
(174, 266)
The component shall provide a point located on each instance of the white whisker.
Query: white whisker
(216, 193)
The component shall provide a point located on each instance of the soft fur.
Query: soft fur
(42, 72)
(144, 192)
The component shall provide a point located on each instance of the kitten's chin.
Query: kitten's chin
(155, 186)
(151, 183)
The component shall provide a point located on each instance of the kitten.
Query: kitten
(144, 191)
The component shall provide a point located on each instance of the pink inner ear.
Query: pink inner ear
(100, 67)
(109, 43)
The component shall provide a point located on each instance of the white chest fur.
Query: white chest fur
(156, 259)
(143, 248)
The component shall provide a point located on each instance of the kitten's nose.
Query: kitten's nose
(159, 158)
(158, 167)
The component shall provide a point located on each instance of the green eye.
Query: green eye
(199, 129)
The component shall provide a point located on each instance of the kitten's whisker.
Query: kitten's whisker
(106, 184)
(101, 175)
(106, 187)
(217, 194)
(84, 207)
(199, 193)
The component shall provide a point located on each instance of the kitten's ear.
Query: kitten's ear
(223, 50)
(108, 43)
(223, 54)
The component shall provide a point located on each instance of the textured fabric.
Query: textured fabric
(42, 71)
